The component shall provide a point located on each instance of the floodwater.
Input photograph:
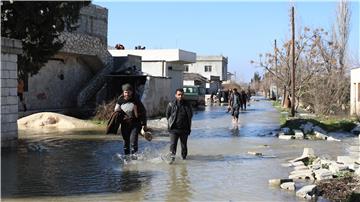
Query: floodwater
(84, 166)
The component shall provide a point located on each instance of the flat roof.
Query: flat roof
(169, 55)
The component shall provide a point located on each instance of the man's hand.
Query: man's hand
(145, 128)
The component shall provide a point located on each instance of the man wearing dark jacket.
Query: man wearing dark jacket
(134, 118)
(179, 115)
(235, 104)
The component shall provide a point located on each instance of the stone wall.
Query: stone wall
(85, 65)
(58, 84)
(9, 100)
(93, 21)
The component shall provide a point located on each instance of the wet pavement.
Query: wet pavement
(84, 166)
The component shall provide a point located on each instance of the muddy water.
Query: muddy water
(84, 166)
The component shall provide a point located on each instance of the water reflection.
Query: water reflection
(179, 184)
(82, 166)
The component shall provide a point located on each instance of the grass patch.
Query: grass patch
(99, 122)
(328, 124)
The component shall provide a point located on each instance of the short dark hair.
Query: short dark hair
(180, 90)
(235, 89)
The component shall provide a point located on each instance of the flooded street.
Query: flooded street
(84, 166)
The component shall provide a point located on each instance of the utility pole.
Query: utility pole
(276, 71)
(293, 62)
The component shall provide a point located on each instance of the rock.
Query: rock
(332, 139)
(297, 163)
(277, 182)
(308, 174)
(287, 164)
(307, 153)
(357, 172)
(356, 130)
(320, 135)
(300, 171)
(286, 131)
(353, 166)
(345, 160)
(307, 128)
(318, 129)
(299, 134)
(335, 167)
(288, 186)
(255, 153)
(302, 167)
(322, 174)
(306, 190)
(315, 166)
(286, 137)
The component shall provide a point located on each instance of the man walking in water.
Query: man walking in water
(133, 121)
(179, 115)
(235, 102)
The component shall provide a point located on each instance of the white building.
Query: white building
(162, 62)
(355, 92)
(214, 68)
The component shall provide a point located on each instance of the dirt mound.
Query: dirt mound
(52, 120)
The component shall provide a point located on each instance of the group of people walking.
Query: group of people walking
(237, 102)
(130, 113)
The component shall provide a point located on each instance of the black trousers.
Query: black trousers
(174, 137)
(130, 133)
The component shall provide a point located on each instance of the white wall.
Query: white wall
(154, 68)
(217, 63)
(355, 92)
(176, 75)
(156, 95)
(189, 82)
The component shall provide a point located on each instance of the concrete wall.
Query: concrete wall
(156, 95)
(58, 84)
(9, 100)
(173, 70)
(355, 92)
(177, 76)
(218, 66)
(156, 68)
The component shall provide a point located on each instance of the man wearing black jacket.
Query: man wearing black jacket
(179, 115)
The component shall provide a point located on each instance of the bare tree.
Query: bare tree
(342, 31)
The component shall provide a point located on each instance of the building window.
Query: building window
(207, 68)
(186, 68)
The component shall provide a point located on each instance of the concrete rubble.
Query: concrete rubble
(308, 131)
(309, 169)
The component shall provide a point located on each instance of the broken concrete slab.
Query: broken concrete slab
(307, 153)
(306, 190)
(322, 174)
(298, 134)
(278, 182)
(288, 186)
